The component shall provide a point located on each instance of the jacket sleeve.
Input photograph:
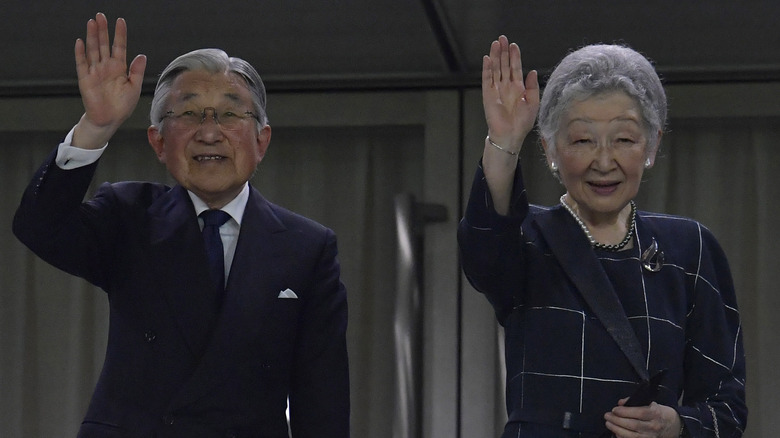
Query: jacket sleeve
(54, 222)
(713, 403)
(490, 244)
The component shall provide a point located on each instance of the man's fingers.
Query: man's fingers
(119, 49)
(102, 31)
(91, 43)
(82, 67)
(137, 68)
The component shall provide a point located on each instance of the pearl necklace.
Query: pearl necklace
(593, 243)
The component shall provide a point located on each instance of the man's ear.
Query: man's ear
(263, 140)
(157, 142)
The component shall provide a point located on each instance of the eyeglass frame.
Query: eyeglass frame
(214, 114)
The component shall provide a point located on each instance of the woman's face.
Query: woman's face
(601, 150)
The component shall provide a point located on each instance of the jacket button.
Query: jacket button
(168, 420)
(150, 336)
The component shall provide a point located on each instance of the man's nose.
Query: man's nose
(209, 130)
(209, 114)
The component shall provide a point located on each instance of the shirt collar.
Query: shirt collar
(234, 208)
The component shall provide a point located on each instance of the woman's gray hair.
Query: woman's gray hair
(598, 69)
(213, 61)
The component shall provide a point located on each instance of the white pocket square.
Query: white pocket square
(287, 293)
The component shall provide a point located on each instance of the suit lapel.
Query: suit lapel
(176, 247)
(249, 292)
(248, 299)
(576, 257)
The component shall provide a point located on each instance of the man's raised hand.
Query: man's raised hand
(109, 91)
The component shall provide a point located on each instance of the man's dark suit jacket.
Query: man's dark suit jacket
(176, 366)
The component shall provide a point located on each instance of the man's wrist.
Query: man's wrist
(87, 135)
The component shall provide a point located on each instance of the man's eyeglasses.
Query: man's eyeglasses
(189, 119)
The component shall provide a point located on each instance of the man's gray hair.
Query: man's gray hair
(213, 61)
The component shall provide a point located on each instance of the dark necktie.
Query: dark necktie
(212, 220)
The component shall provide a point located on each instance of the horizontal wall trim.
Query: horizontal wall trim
(378, 82)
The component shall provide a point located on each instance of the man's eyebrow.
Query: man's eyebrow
(621, 118)
(187, 96)
(234, 97)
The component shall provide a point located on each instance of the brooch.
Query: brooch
(652, 258)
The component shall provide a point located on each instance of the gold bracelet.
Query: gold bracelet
(500, 148)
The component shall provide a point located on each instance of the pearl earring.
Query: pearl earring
(553, 166)
(648, 163)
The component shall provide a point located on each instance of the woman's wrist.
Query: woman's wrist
(683, 430)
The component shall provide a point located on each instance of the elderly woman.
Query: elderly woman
(599, 301)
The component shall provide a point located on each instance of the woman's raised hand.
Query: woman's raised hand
(510, 103)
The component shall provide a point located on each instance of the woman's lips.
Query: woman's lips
(603, 188)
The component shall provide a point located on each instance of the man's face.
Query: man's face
(209, 159)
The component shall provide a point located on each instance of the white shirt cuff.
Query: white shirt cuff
(71, 157)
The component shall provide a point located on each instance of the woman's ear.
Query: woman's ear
(650, 161)
(549, 153)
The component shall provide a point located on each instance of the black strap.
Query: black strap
(579, 262)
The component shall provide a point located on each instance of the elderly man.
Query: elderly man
(223, 306)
